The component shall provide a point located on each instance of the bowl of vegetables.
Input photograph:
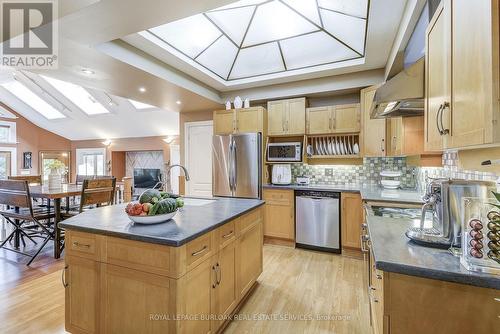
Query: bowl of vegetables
(154, 207)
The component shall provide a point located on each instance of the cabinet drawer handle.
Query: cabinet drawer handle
(200, 251)
(77, 244)
(379, 276)
(218, 273)
(63, 280)
(375, 300)
(227, 235)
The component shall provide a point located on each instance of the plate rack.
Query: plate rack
(333, 146)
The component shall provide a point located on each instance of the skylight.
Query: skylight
(251, 38)
(24, 94)
(140, 105)
(79, 96)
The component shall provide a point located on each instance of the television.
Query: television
(146, 177)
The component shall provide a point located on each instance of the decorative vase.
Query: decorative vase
(54, 179)
(246, 103)
(238, 103)
(228, 105)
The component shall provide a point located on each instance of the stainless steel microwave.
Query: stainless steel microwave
(284, 151)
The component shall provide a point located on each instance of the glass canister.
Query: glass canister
(481, 235)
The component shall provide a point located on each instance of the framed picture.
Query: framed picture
(27, 160)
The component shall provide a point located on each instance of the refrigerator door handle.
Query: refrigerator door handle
(235, 168)
(231, 157)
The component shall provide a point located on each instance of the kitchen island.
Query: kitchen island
(187, 275)
(417, 289)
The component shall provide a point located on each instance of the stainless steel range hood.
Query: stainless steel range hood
(403, 95)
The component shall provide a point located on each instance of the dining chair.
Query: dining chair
(33, 180)
(98, 192)
(28, 222)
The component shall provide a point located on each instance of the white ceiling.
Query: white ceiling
(103, 36)
(121, 118)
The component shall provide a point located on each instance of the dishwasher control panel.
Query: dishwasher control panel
(314, 193)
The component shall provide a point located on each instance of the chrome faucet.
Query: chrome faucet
(167, 175)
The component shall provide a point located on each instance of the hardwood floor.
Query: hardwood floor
(307, 284)
(295, 283)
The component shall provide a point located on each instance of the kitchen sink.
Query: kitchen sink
(189, 201)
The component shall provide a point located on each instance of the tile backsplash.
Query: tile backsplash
(368, 173)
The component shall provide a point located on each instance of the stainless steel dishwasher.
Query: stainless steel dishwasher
(317, 220)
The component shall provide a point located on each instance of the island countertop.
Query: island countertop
(394, 252)
(189, 223)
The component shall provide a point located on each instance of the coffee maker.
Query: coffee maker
(444, 200)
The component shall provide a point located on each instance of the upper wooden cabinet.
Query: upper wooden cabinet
(286, 117)
(239, 120)
(333, 119)
(463, 59)
(374, 130)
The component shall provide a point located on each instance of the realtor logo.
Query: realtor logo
(29, 34)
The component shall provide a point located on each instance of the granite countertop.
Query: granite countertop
(394, 252)
(368, 192)
(190, 222)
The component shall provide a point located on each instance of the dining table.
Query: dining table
(56, 195)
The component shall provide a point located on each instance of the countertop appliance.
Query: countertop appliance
(317, 220)
(291, 152)
(281, 174)
(237, 161)
(444, 199)
(302, 180)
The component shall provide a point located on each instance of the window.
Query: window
(90, 161)
(79, 96)
(140, 105)
(7, 132)
(24, 94)
(5, 164)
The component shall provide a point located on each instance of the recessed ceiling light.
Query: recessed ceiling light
(142, 89)
(87, 71)
(178, 102)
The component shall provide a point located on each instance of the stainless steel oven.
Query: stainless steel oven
(291, 152)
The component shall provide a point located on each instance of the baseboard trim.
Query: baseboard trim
(279, 241)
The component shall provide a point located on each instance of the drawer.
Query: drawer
(198, 250)
(82, 244)
(226, 233)
(279, 197)
(248, 220)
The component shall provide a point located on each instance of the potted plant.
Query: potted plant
(55, 178)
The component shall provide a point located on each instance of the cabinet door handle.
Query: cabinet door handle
(379, 276)
(63, 277)
(214, 285)
(77, 244)
(200, 251)
(437, 119)
(225, 236)
(218, 273)
(382, 145)
(444, 131)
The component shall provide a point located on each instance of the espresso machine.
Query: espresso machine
(444, 200)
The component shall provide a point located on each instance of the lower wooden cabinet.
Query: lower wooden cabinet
(249, 256)
(81, 280)
(279, 213)
(175, 293)
(351, 220)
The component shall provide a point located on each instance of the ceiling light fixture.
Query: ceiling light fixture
(107, 142)
(142, 89)
(87, 71)
(178, 102)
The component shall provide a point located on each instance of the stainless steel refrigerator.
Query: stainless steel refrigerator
(237, 165)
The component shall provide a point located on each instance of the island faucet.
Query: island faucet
(167, 175)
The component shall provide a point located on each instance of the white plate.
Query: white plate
(337, 147)
(356, 149)
(390, 184)
(342, 147)
(330, 147)
(334, 145)
(156, 219)
(345, 148)
(391, 173)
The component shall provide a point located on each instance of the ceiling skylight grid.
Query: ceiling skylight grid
(78, 95)
(251, 38)
(24, 94)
